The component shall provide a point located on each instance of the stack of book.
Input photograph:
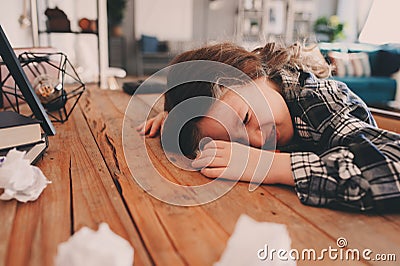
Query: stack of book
(23, 133)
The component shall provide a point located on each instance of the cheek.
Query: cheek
(256, 138)
(263, 120)
(262, 116)
(260, 134)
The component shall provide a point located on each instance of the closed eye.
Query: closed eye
(246, 118)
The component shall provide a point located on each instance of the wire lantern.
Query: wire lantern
(53, 79)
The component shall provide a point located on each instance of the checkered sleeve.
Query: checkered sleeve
(362, 175)
(354, 164)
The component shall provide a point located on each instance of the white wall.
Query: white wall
(326, 7)
(9, 14)
(168, 20)
(219, 25)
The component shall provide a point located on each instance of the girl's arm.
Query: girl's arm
(235, 161)
(363, 175)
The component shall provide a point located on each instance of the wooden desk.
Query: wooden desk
(91, 183)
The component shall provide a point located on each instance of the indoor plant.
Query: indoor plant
(329, 28)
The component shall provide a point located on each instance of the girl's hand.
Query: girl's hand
(153, 125)
(235, 161)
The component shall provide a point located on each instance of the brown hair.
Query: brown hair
(272, 61)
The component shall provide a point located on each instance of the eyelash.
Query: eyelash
(246, 118)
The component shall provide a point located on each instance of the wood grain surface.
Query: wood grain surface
(93, 174)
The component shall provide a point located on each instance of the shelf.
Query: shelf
(72, 32)
(52, 31)
(275, 19)
(253, 11)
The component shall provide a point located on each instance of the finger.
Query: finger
(164, 117)
(157, 124)
(142, 130)
(162, 127)
(217, 152)
(213, 172)
(155, 127)
(164, 114)
(139, 127)
(208, 153)
(220, 144)
(209, 162)
(147, 126)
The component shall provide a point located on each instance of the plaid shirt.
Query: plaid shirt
(339, 157)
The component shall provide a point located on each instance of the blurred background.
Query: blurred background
(135, 38)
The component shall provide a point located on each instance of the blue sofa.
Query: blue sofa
(379, 87)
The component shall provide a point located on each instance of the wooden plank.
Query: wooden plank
(388, 123)
(95, 196)
(387, 119)
(144, 208)
(7, 213)
(103, 122)
(27, 241)
(41, 225)
(393, 218)
(362, 231)
(220, 214)
(197, 237)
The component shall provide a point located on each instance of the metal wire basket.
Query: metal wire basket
(53, 79)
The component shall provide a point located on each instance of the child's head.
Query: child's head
(253, 125)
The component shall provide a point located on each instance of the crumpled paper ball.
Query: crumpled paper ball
(95, 248)
(20, 179)
(251, 243)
